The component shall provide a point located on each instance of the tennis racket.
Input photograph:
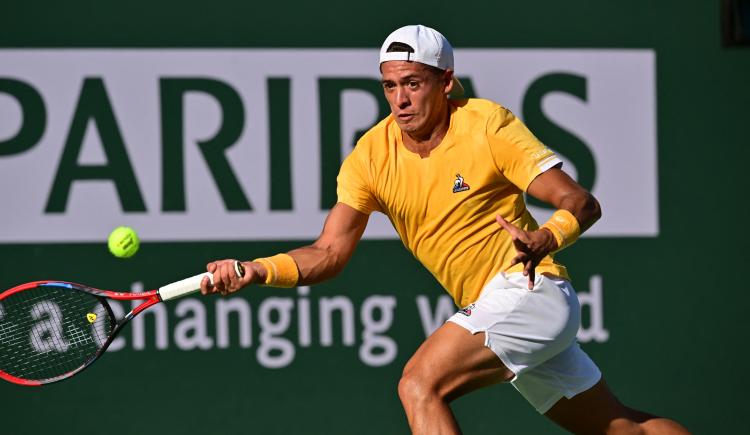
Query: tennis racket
(52, 330)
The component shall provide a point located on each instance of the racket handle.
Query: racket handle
(183, 287)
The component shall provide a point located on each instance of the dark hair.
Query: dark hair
(399, 47)
(406, 48)
(435, 70)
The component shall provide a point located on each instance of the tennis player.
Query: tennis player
(451, 174)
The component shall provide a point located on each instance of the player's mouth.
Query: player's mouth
(406, 117)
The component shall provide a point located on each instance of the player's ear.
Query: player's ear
(448, 81)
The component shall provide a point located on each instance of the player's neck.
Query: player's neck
(423, 143)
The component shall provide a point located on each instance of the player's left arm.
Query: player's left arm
(555, 187)
(577, 210)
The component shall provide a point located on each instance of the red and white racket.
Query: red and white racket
(52, 330)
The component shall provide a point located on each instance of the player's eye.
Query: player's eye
(413, 84)
(389, 86)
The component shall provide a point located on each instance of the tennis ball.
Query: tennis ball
(123, 242)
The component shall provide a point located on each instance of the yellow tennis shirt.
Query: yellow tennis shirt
(444, 206)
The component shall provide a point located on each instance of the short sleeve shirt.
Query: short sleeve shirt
(444, 206)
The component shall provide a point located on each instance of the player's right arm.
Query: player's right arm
(325, 258)
(317, 262)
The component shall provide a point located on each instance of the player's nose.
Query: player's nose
(402, 98)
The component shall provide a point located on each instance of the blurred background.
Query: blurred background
(216, 131)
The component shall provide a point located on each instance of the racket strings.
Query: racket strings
(48, 331)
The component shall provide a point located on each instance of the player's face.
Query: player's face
(416, 94)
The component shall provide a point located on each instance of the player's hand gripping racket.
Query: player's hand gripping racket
(52, 330)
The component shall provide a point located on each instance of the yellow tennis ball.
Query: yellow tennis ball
(123, 242)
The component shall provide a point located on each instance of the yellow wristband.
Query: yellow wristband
(281, 270)
(564, 226)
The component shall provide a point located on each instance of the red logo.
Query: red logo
(466, 311)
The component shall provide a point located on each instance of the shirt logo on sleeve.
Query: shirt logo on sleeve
(459, 185)
(466, 311)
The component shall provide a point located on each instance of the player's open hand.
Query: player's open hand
(231, 275)
(531, 247)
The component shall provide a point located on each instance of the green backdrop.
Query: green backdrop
(674, 304)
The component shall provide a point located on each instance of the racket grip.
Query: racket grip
(183, 287)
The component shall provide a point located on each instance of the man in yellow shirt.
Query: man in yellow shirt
(450, 175)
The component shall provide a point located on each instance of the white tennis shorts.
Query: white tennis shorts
(534, 334)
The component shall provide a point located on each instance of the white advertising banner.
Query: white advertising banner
(92, 139)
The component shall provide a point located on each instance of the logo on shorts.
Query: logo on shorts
(459, 185)
(466, 311)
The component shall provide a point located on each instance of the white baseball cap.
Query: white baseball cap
(428, 46)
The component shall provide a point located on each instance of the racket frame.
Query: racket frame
(150, 298)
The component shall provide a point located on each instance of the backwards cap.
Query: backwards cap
(425, 45)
